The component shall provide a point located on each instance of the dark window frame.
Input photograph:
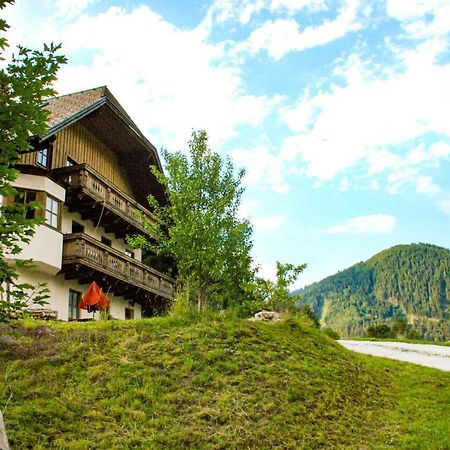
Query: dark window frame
(25, 199)
(52, 216)
(77, 226)
(74, 304)
(44, 156)
(106, 241)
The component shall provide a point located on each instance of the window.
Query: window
(129, 253)
(51, 211)
(70, 162)
(43, 157)
(77, 227)
(129, 314)
(24, 198)
(106, 241)
(74, 301)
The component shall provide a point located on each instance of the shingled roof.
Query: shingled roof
(67, 109)
(99, 111)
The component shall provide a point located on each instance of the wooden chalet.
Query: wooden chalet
(92, 174)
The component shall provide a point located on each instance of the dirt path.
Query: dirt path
(426, 355)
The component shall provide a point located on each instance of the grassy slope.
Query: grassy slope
(211, 382)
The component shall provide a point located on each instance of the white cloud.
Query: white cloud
(399, 178)
(262, 168)
(369, 118)
(421, 18)
(243, 11)
(269, 223)
(70, 8)
(297, 5)
(281, 36)
(267, 271)
(371, 224)
(168, 79)
(445, 205)
(425, 185)
(344, 184)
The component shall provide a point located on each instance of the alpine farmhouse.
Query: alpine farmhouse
(91, 174)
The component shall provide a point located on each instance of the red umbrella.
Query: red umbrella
(94, 298)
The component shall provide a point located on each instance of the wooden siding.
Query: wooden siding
(79, 144)
(28, 158)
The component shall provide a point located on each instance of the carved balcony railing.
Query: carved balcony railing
(97, 199)
(89, 260)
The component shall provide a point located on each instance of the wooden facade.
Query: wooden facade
(76, 143)
(100, 158)
(96, 199)
(120, 274)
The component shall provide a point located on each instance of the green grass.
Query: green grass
(407, 341)
(211, 381)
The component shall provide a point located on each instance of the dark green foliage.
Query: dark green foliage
(24, 83)
(330, 332)
(406, 285)
(380, 331)
(308, 312)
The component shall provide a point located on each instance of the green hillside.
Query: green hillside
(210, 381)
(410, 281)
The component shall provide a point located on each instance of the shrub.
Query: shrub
(330, 332)
(380, 331)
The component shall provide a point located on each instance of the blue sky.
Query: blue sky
(338, 110)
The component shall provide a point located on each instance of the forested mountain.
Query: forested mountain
(405, 281)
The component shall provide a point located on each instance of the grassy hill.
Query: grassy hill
(410, 281)
(210, 381)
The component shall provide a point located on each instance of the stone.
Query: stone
(266, 316)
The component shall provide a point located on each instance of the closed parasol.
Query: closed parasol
(94, 298)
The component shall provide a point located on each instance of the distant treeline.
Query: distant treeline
(406, 281)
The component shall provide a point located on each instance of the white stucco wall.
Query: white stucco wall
(40, 183)
(59, 296)
(44, 248)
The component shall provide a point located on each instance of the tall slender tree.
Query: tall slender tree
(201, 230)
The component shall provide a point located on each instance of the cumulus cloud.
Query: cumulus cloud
(281, 36)
(269, 223)
(243, 11)
(70, 8)
(421, 18)
(263, 168)
(425, 185)
(169, 79)
(371, 224)
(374, 120)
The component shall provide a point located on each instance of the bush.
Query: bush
(380, 331)
(330, 332)
(308, 312)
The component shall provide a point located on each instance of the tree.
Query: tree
(199, 226)
(280, 298)
(24, 83)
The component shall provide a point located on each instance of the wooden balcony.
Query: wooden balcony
(86, 259)
(97, 199)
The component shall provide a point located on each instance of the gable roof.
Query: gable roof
(66, 108)
(99, 111)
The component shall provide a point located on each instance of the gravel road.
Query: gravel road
(426, 355)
